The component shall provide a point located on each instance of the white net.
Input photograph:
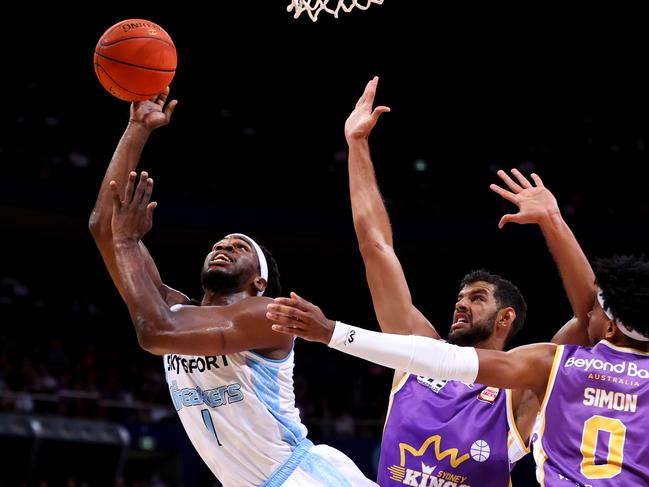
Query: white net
(314, 7)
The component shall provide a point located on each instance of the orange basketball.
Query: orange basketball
(135, 60)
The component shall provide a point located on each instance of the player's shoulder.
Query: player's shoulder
(540, 349)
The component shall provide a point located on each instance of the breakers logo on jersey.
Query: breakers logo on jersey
(195, 364)
(195, 396)
(431, 476)
(630, 369)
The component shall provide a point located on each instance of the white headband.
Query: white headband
(630, 333)
(263, 265)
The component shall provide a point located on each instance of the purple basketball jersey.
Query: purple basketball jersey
(445, 433)
(591, 431)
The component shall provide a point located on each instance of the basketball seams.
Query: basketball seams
(131, 64)
(104, 43)
(103, 70)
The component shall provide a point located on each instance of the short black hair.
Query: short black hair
(624, 281)
(273, 286)
(506, 294)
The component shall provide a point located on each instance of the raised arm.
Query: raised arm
(188, 330)
(526, 367)
(538, 205)
(390, 294)
(145, 117)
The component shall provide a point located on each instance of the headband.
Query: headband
(630, 333)
(263, 265)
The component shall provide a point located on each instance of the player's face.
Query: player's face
(475, 314)
(231, 261)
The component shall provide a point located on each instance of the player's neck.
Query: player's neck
(223, 298)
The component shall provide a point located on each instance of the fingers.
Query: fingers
(287, 315)
(130, 184)
(509, 196)
(521, 179)
(141, 195)
(296, 302)
(150, 208)
(507, 219)
(140, 190)
(148, 189)
(378, 111)
(537, 180)
(509, 182)
(162, 97)
(169, 109)
(117, 200)
(370, 92)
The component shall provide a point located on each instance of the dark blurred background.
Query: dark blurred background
(256, 145)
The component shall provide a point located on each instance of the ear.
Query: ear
(260, 284)
(612, 331)
(505, 318)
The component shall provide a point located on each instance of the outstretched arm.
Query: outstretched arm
(145, 117)
(390, 294)
(538, 205)
(416, 354)
(189, 330)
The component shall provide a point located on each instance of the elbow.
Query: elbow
(373, 247)
(149, 337)
(98, 227)
(149, 343)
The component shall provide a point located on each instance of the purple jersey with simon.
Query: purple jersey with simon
(596, 401)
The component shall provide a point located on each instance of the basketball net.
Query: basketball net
(314, 7)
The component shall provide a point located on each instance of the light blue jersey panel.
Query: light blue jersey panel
(238, 411)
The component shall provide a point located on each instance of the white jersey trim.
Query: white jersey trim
(516, 446)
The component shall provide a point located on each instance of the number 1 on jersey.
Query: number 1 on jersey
(209, 424)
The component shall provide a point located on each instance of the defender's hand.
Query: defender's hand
(297, 316)
(362, 120)
(535, 203)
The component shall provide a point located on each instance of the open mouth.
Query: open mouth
(220, 259)
(461, 321)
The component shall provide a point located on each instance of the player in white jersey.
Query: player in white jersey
(230, 376)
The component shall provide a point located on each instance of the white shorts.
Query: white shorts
(321, 466)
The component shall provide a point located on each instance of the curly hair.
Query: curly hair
(506, 294)
(624, 281)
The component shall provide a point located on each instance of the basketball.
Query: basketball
(135, 60)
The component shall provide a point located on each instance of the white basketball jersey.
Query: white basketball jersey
(238, 411)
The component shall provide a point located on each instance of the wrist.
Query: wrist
(357, 140)
(138, 127)
(551, 220)
(330, 332)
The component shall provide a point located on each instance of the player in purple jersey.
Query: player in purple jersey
(434, 445)
(593, 413)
